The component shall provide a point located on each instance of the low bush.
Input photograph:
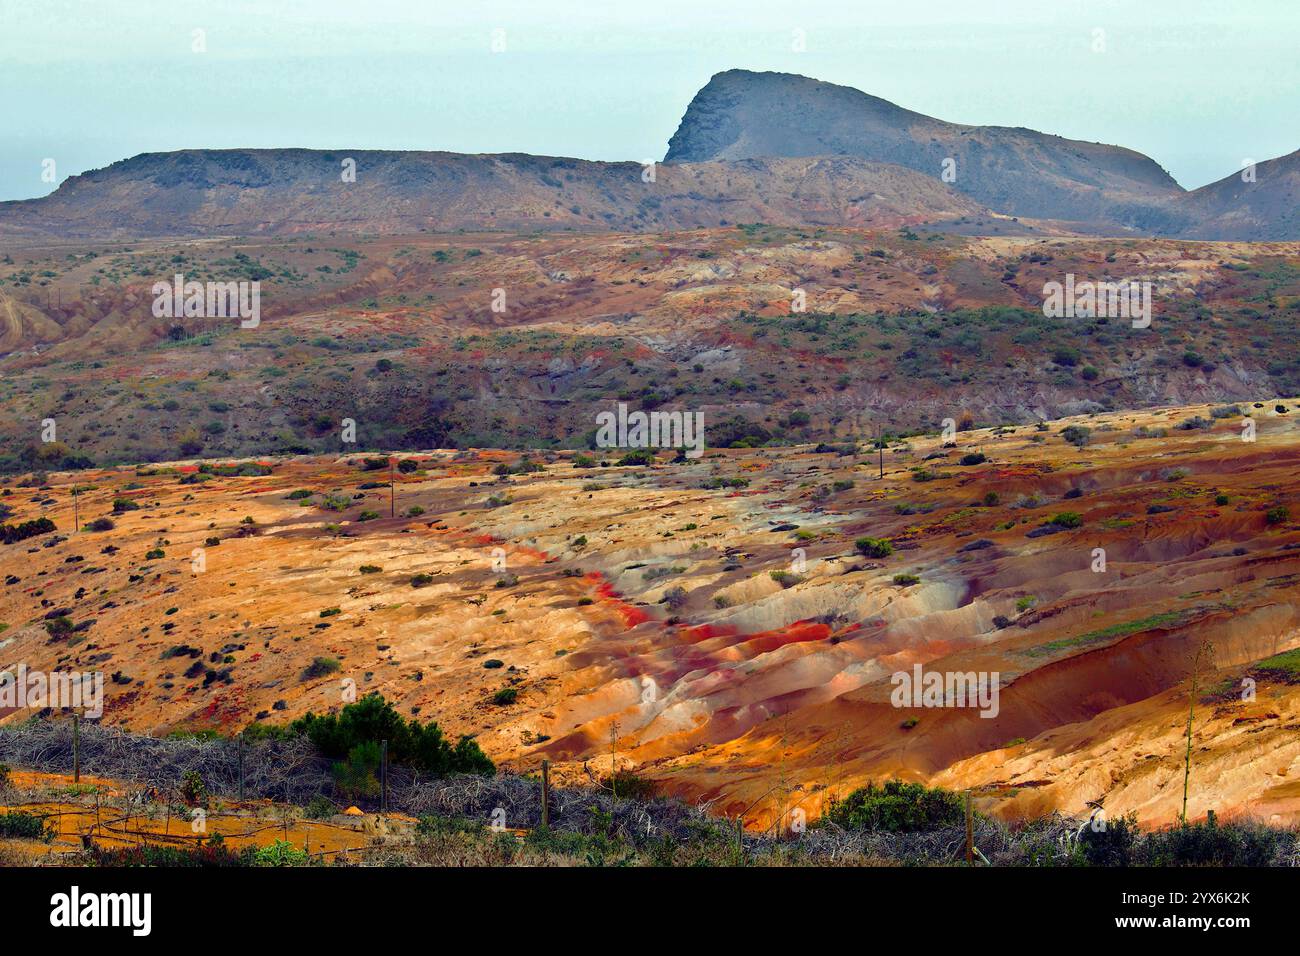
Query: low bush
(897, 807)
(874, 547)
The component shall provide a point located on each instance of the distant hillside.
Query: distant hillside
(283, 191)
(742, 114)
(1266, 209)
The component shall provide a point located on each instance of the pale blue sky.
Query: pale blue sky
(1199, 85)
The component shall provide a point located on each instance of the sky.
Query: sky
(1201, 86)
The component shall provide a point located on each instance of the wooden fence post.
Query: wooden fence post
(239, 745)
(383, 776)
(76, 748)
(546, 793)
(970, 832)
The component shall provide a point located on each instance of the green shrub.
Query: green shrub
(357, 775)
(874, 547)
(372, 719)
(642, 456)
(10, 533)
(321, 667)
(897, 807)
(320, 808)
(1208, 844)
(630, 785)
(279, 853)
(26, 826)
(1111, 845)
(1076, 435)
(192, 789)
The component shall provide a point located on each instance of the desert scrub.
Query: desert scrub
(25, 826)
(1076, 435)
(321, 667)
(659, 571)
(1284, 666)
(410, 743)
(320, 808)
(874, 547)
(896, 807)
(1166, 619)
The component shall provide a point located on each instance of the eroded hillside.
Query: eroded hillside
(505, 340)
(718, 623)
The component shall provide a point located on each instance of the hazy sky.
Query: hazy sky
(1199, 85)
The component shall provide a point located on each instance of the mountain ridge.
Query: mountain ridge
(751, 147)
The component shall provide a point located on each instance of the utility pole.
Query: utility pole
(613, 759)
(392, 490)
(76, 511)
